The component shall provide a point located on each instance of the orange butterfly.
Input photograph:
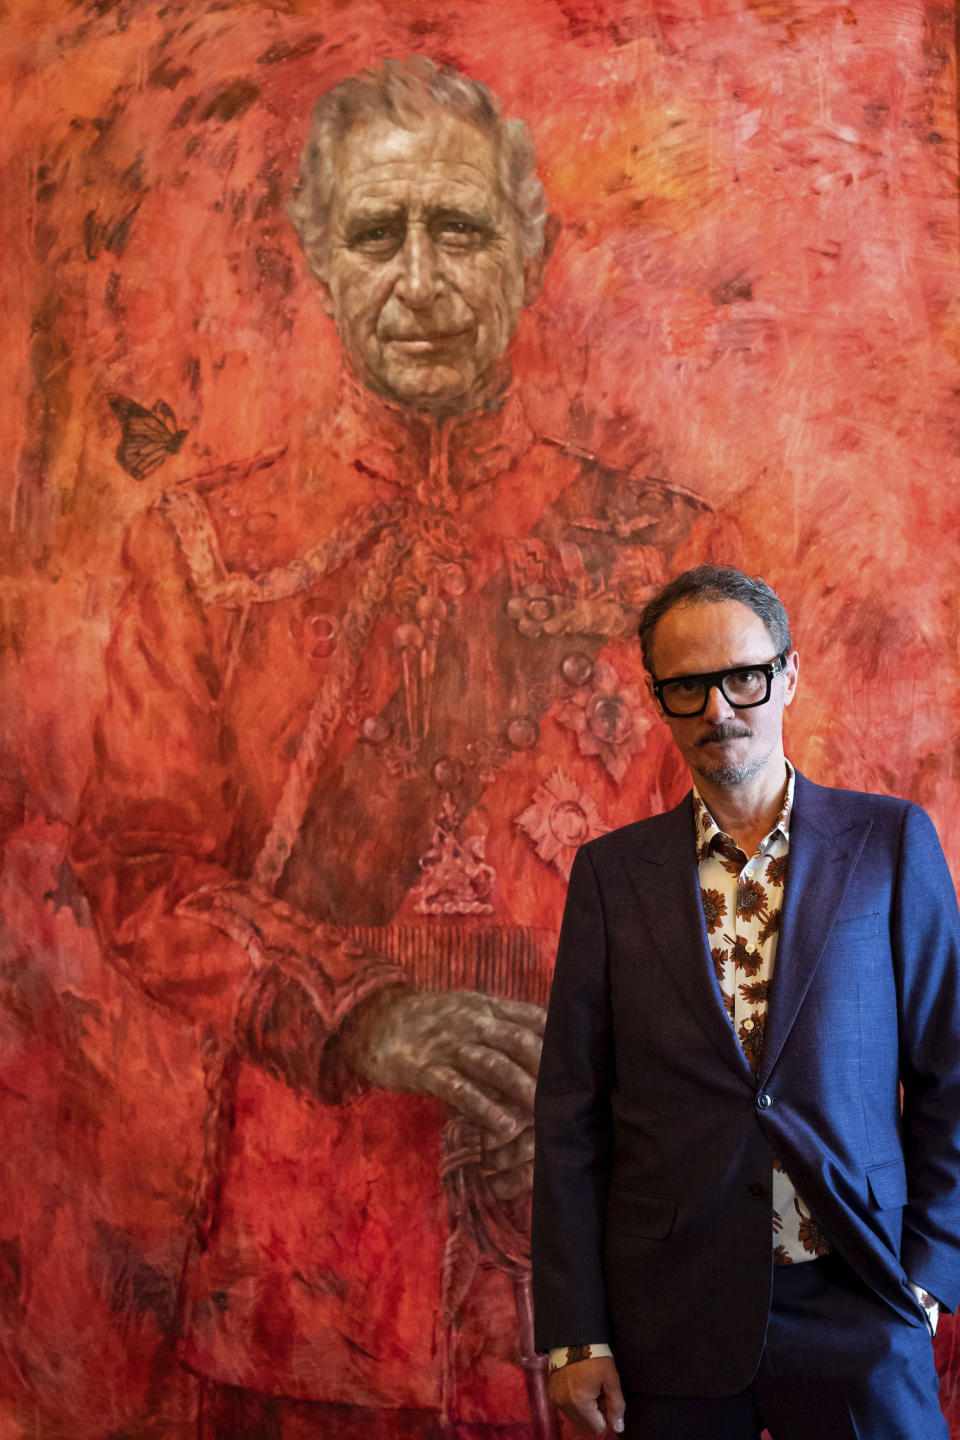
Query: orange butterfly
(148, 436)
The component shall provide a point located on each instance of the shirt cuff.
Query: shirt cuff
(570, 1354)
(928, 1303)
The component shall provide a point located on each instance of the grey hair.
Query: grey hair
(706, 584)
(403, 91)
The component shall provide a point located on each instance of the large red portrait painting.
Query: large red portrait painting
(367, 367)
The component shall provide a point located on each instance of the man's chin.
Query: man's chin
(727, 775)
(726, 771)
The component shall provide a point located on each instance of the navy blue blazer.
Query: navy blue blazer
(655, 1140)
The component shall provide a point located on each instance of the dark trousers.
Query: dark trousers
(838, 1364)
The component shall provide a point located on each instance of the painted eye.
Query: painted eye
(375, 239)
(458, 233)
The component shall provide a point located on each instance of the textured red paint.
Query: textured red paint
(754, 295)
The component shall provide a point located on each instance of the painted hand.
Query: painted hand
(588, 1392)
(477, 1053)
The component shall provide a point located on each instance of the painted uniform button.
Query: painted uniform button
(748, 1024)
(577, 668)
(764, 1101)
(453, 580)
(447, 772)
(757, 1190)
(376, 729)
(522, 732)
(321, 631)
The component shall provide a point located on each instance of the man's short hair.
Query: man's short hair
(706, 584)
(403, 92)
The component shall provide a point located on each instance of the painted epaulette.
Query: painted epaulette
(617, 489)
(603, 547)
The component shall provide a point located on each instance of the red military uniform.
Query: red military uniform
(365, 702)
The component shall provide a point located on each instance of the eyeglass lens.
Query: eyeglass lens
(688, 695)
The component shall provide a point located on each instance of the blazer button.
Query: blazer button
(764, 1101)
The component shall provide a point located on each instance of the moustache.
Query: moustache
(724, 732)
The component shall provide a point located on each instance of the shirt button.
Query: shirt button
(757, 1190)
(764, 1101)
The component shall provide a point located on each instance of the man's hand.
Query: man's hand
(588, 1392)
(477, 1053)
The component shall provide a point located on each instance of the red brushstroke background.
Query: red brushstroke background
(756, 286)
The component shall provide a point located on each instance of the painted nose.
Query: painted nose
(419, 277)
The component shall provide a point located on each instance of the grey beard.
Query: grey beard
(733, 774)
(726, 774)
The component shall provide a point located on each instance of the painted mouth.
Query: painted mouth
(417, 344)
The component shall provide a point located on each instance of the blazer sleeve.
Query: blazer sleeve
(927, 950)
(573, 1127)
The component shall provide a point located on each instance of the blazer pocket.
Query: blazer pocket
(856, 927)
(888, 1184)
(631, 1212)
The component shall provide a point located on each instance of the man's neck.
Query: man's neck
(747, 812)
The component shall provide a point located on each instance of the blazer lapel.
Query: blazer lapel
(663, 871)
(825, 844)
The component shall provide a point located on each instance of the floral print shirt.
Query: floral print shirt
(742, 899)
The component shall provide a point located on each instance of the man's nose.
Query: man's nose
(718, 706)
(419, 276)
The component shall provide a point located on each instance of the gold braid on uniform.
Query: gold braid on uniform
(232, 591)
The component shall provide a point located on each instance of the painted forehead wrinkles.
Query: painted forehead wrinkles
(414, 187)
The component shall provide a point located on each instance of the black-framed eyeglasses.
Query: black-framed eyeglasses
(742, 686)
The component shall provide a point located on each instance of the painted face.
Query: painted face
(423, 270)
(725, 745)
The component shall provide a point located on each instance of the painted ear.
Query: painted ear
(326, 299)
(536, 268)
(318, 269)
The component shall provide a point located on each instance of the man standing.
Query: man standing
(735, 1225)
(357, 724)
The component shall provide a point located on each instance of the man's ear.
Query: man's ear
(648, 681)
(535, 269)
(792, 673)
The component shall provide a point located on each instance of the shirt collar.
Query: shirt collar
(711, 837)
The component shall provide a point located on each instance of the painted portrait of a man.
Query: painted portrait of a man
(379, 667)
(375, 377)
